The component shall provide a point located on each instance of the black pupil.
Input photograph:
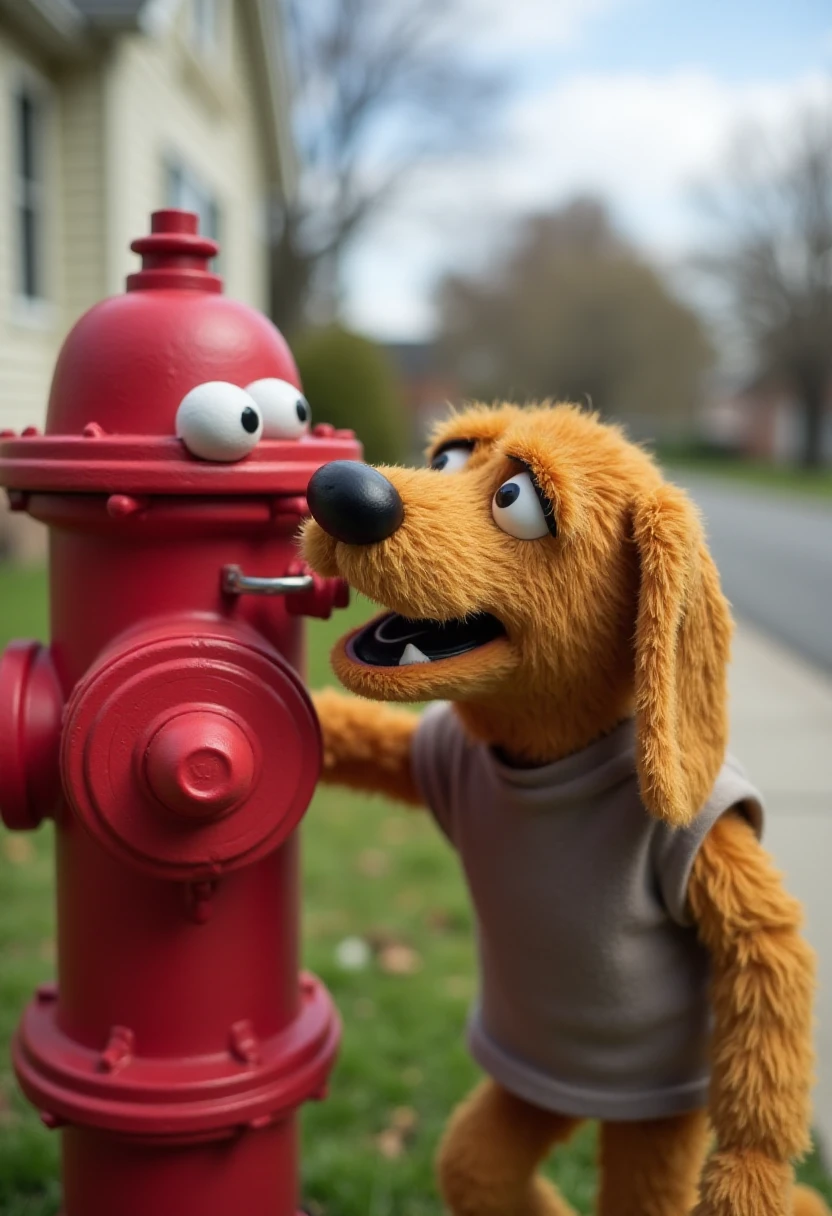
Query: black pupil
(439, 461)
(507, 494)
(302, 409)
(250, 420)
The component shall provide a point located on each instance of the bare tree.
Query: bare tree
(378, 86)
(772, 218)
(573, 311)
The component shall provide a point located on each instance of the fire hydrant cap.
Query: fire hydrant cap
(219, 731)
(200, 764)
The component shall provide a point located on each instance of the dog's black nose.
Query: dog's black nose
(354, 502)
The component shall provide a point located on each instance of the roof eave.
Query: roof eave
(56, 27)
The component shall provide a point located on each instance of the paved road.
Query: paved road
(774, 552)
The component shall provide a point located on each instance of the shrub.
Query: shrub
(350, 382)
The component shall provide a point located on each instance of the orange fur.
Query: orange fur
(763, 983)
(683, 634)
(488, 1156)
(620, 613)
(651, 1167)
(628, 560)
(367, 746)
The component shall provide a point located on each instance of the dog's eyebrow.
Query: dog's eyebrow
(475, 429)
(543, 498)
(452, 443)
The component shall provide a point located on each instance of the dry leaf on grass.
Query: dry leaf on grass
(405, 1119)
(399, 960)
(391, 1143)
(439, 920)
(18, 850)
(379, 938)
(394, 957)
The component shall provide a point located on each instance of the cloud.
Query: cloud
(641, 141)
(532, 24)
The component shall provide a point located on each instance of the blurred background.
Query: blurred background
(626, 203)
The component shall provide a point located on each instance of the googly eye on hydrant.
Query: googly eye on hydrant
(284, 408)
(219, 421)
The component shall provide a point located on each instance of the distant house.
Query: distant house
(762, 420)
(429, 391)
(110, 109)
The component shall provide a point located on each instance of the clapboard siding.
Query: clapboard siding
(167, 105)
(84, 202)
(28, 335)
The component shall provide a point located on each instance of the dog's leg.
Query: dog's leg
(652, 1167)
(367, 745)
(489, 1154)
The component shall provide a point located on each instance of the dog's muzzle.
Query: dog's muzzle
(354, 502)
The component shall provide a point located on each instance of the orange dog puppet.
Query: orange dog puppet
(640, 962)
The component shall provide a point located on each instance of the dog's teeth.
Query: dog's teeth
(412, 654)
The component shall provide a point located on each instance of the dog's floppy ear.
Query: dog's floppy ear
(683, 633)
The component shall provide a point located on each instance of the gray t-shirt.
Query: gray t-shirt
(593, 988)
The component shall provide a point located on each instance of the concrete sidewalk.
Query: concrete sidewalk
(781, 731)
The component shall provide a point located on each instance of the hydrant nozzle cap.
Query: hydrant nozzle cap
(174, 254)
(200, 764)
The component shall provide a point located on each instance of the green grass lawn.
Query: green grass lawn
(372, 871)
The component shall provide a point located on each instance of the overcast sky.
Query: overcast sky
(633, 99)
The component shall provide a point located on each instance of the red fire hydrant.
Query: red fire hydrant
(167, 731)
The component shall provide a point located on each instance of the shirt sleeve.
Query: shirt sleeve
(434, 752)
(677, 848)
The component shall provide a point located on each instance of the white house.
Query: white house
(110, 109)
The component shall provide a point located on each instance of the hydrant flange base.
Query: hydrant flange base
(186, 1100)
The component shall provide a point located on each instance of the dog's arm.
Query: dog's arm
(763, 982)
(367, 745)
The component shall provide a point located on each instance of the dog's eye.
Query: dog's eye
(517, 509)
(451, 460)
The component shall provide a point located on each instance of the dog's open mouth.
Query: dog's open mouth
(397, 641)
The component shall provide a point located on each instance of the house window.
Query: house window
(205, 26)
(188, 192)
(29, 193)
